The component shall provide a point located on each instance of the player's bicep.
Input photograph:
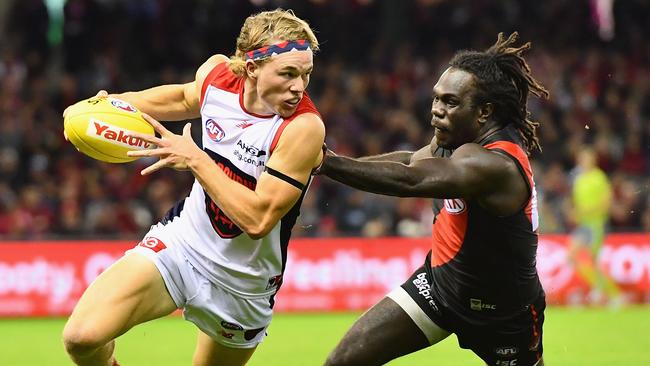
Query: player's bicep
(289, 168)
(299, 149)
(469, 172)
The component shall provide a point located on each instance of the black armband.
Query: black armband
(284, 177)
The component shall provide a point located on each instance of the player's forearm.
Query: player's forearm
(241, 204)
(164, 103)
(403, 157)
(382, 177)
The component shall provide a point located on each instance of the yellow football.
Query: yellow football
(102, 129)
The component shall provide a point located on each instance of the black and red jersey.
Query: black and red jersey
(482, 264)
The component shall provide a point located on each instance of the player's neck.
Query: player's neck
(252, 101)
(488, 130)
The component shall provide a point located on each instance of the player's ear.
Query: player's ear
(252, 69)
(485, 112)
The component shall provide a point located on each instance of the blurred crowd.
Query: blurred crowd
(373, 79)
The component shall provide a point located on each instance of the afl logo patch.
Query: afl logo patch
(214, 131)
(120, 104)
(455, 206)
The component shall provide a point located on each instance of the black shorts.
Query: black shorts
(515, 341)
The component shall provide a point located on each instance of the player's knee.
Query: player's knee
(81, 340)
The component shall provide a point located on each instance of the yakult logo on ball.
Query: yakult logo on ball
(120, 104)
(214, 131)
(103, 131)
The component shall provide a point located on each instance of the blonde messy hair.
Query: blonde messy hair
(261, 29)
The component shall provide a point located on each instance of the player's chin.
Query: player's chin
(286, 110)
(442, 139)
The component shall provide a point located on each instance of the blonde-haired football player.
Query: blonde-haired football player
(220, 253)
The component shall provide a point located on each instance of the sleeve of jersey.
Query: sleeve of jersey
(514, 151)
(521, 159)
(517, 154)
(221, 78)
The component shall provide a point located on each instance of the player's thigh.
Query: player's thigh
(208, 353)
(383, 333)
(129, 292)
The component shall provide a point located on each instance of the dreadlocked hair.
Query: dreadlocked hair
(504, 79)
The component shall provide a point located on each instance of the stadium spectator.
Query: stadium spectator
(479, 280)
(220, 253)
(357, 92)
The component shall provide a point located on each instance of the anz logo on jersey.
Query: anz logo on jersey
(249, 154)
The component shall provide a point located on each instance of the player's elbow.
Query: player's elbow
(258, 232)
(254, 232)
(259, 229)
(262, 220)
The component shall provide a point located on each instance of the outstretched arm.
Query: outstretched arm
(404, 157)
(470, 171)
(395, 156)
(173, 102)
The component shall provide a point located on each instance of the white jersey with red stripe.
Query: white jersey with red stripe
(240, 143)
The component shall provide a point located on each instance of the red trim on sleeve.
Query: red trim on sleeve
(222, 78)
(278, 133)
(518, 153)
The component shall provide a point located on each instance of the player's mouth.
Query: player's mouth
(439, 128)
(292, 103)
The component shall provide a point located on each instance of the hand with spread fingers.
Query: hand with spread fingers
(174, 151)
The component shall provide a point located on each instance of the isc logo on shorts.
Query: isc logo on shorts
(152, 243)
(479, 305)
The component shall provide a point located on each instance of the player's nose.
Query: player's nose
(298, 85)
(437, 113)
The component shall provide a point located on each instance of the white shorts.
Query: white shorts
(227, 318)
